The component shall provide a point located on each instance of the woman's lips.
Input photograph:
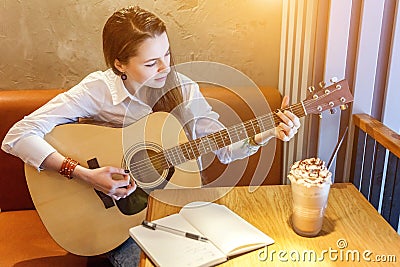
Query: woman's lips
(161, 79)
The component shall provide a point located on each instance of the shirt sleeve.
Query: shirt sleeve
(205, 121)
(25, 138)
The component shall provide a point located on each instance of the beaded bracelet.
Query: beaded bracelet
(67, 167)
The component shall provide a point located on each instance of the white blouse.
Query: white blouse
(102, 96)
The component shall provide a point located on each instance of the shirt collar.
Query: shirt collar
(118, 92)
(117, 88)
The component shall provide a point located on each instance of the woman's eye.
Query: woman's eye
(151, 64)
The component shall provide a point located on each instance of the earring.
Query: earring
(123, 76)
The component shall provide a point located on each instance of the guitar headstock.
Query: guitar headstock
(328, 97)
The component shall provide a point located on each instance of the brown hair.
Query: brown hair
(123, 32)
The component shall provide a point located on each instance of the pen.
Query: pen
(155, 226)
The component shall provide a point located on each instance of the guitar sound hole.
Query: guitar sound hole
(150, 170)
(147, 166)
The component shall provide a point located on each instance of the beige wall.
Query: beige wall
(49, 44)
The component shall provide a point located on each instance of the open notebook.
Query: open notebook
(228, 235)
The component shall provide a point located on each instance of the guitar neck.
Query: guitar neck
(215, 141)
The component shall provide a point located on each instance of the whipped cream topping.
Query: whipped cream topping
(311, 171)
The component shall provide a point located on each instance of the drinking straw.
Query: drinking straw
(339, 143)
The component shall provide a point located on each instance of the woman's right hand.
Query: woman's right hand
(114, 182)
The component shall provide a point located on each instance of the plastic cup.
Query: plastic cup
(309, 204)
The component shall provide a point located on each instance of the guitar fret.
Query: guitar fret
(187, 154)
(222, 139)
(214, 142)
(231, 131)
(242, 132)
(303, 110)
(196, 145)
(277, 120)
(227, 137)
(175, 161)
(252, 127)
(221, 142)
(261, 124)
(179, 152)
(209, 145)
(196, 152)
(173, 156)
(168, 159)
(202, 144)
(204, 151)
(239, 133)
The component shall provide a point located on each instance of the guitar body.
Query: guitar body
(72, 211)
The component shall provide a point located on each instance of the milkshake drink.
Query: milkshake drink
(310, 183)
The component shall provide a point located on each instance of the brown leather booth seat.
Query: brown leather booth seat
(23, 239)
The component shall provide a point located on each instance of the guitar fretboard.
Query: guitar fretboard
(215, 141)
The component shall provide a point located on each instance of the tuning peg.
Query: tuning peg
(311, 89)
(320, 115)
(333, 80)
(343, 107)
(322, 84)
(332, 111)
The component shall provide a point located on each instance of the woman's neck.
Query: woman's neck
(135, 89)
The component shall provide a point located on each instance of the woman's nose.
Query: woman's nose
(162, 65)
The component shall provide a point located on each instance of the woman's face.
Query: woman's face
(151, 64)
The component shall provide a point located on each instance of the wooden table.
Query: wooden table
(353, 234)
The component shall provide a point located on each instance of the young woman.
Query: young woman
(137, 51)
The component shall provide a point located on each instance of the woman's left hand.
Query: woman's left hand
(290, 122)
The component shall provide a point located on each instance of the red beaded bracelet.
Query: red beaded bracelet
(67, 167)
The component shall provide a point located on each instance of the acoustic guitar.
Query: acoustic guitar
(158, 154)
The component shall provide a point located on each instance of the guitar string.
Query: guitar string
(176, 155)
(245, 125)
(199, 141)
(146, 169)
(177, 152)
(269, 117)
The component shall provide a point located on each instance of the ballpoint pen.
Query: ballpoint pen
(155, 226)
